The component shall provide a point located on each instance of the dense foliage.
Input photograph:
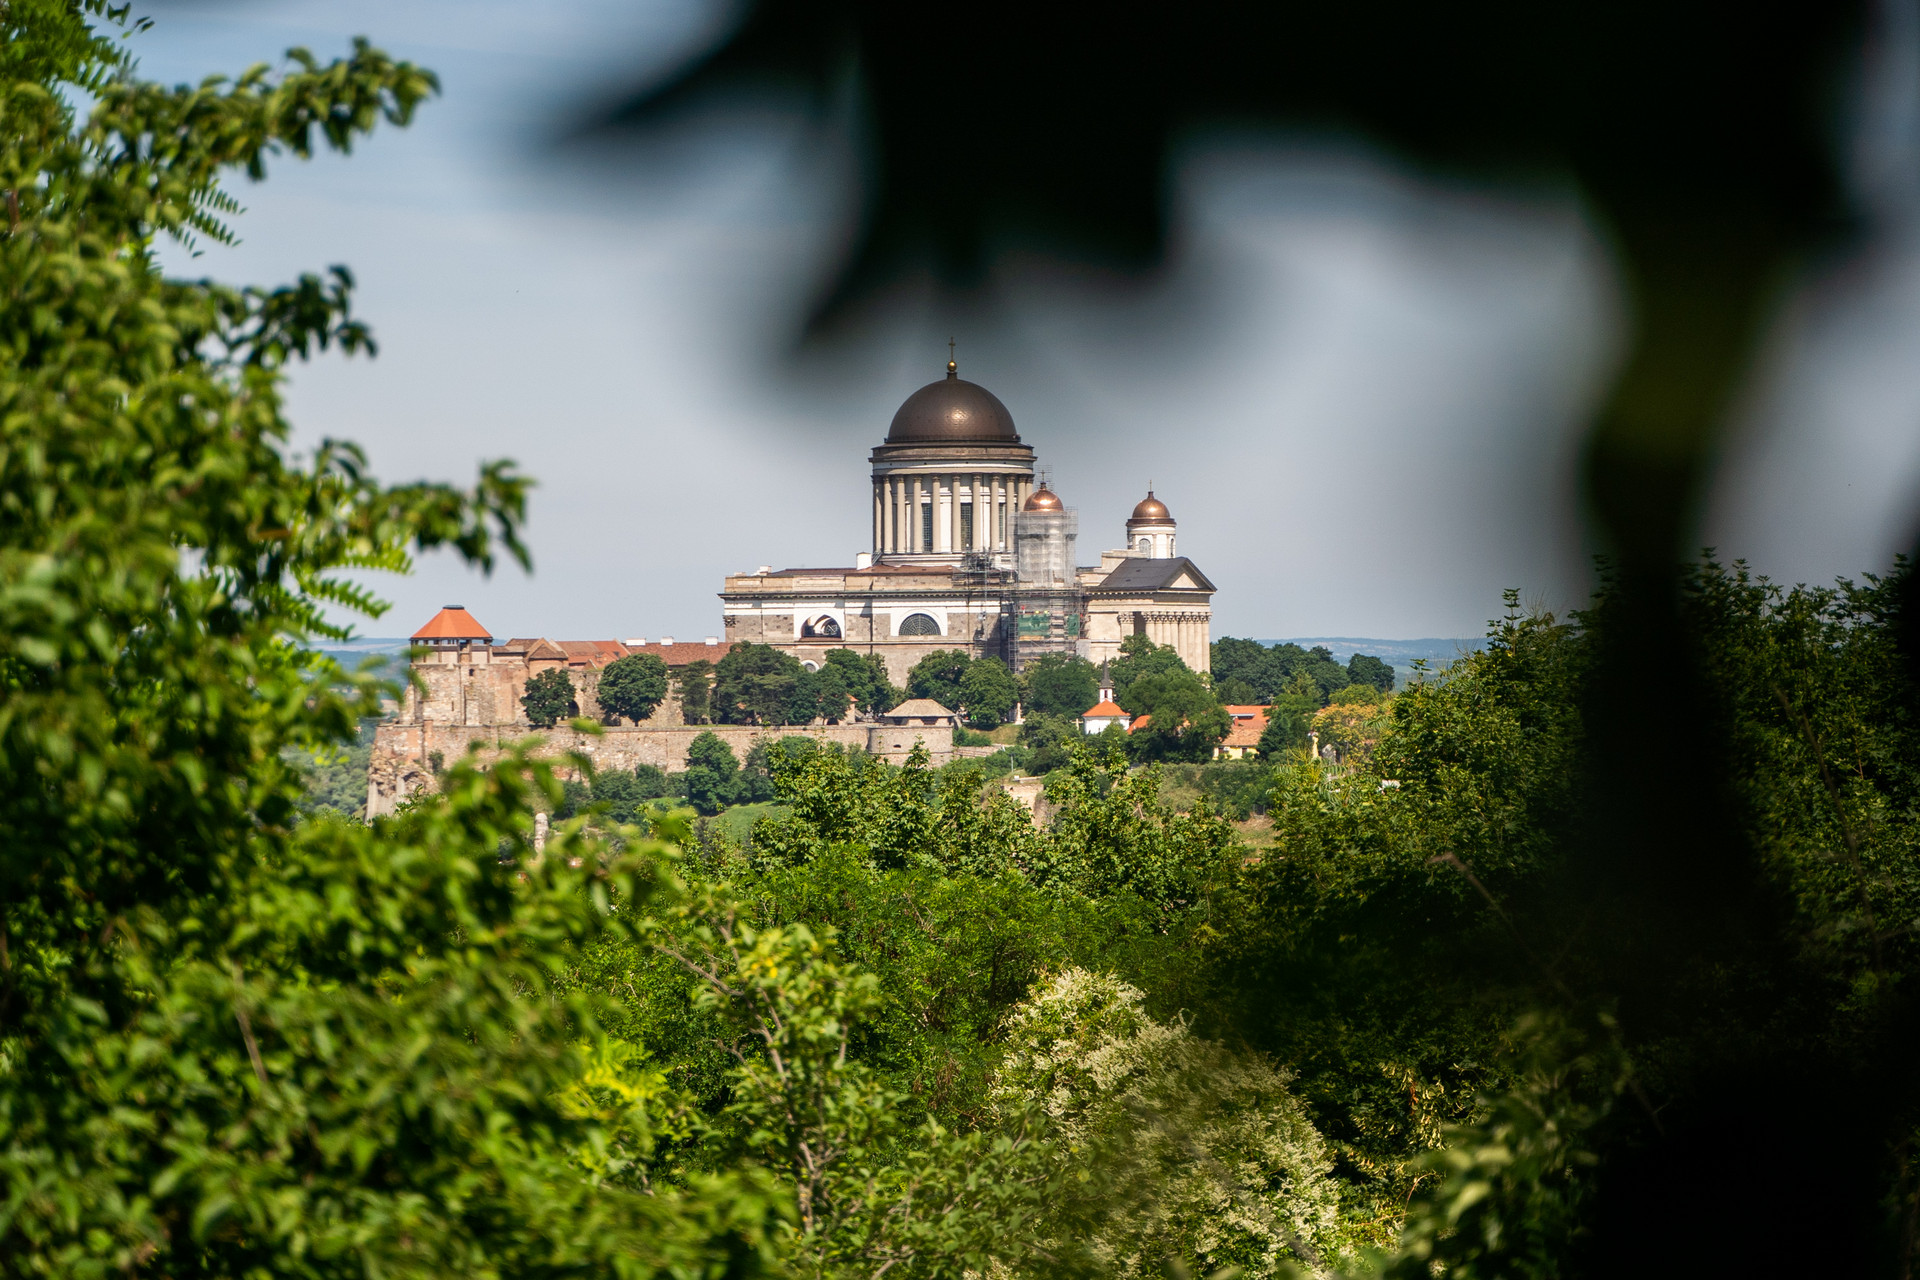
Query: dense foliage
(230, 1042)
(632, 686)
(1271, 671)
(1059, 684)
(549, 698)
(758, 684)
(1445, 1020)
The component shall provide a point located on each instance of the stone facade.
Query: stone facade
(403, 754)
(468, 698)
(970, 552)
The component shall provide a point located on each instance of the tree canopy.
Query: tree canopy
(632, 686)
(232, 1041)
(1499, 999)
(1272, 670)
(549, 697)
(988, 692)
(695, 687)
(938, 676)
(1059, 684)
(756, 684)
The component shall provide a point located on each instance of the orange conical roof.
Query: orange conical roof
(453, 623)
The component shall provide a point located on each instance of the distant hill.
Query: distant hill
(1398, 654)
(391, 652)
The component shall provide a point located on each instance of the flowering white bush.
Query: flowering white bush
(1197, 1156)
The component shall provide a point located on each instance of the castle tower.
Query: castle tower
(1151, 528)
(949, 478)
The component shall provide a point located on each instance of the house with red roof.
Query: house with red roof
(1243, 739)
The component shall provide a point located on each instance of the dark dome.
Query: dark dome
(1150, 510)
(1043, 499)
(951, 409)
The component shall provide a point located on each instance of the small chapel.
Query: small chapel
(970, 551)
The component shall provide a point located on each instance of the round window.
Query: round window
(919, 624)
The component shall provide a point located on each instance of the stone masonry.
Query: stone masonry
(472, 702)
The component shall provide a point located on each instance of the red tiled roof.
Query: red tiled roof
(1105, 710)
(598, 653)
(1248, 724)
(593, 653)
(1140, 722)
(684, 652)
(452, 623)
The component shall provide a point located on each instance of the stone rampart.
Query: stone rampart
(402, 759)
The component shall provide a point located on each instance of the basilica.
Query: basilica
(971, 552)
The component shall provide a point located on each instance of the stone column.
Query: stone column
(953, 513)
(879, 522)
(887, 506)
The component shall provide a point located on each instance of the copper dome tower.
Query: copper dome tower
(1151, 510)
(1044, 499)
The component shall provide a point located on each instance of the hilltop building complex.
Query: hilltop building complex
(970, 550)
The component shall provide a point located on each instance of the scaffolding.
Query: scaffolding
(1043, 603)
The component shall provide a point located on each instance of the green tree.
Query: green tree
(651, 782)
(938, 676)
(1250, 663)
(865, 676)
(1286, 730)
(633, 686)
(830, 695)
(1187, 723)
(695, 687)
(621, 793)
(1059, 684)
(1365, 669)
(549, 698)
(1052, 740)
(711, 770)
(755, 684)
(1140, 657)
(235, 1042)
(988, 692)
(1357, 695)
(1234, 692)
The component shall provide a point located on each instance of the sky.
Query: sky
(1360, 390)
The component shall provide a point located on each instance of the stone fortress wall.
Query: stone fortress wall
(471, 701)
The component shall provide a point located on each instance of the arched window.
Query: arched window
(811, 666)
(919, 624)
(821, 626)
(1145, 544)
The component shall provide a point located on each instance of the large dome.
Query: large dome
(951, 410)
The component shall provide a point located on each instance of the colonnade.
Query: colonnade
(1188, 633)
(947, 513)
